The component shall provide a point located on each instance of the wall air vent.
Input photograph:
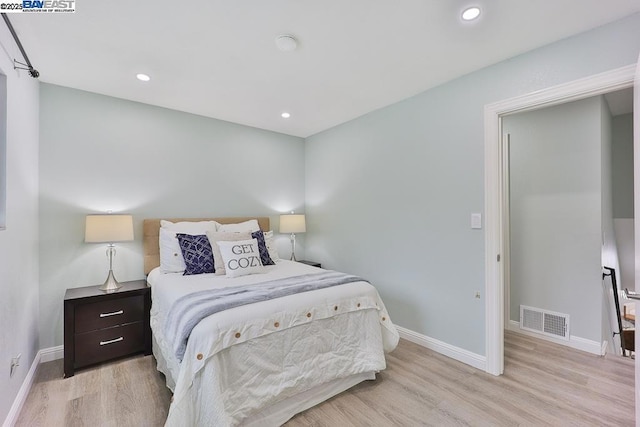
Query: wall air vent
(544, 322)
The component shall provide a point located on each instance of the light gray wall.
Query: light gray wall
(609, 246)
(609, 243)
(623, 209)
(100, 153)
(623, 166)
(19, 242)
(389, 195)
(624, 231)
(555, 213)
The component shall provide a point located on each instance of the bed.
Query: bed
(260, 363)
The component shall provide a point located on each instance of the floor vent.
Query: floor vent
(544, 322)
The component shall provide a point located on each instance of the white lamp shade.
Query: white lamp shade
(292, 224)
(108, 228)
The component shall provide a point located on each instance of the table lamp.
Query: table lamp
(109, 229)
(293, 224)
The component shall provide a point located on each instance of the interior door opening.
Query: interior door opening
(606, 82)
(567, 177)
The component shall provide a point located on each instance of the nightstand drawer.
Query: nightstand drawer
(104, 344)
(104, 314)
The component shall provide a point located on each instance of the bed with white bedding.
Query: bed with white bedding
(260, 363)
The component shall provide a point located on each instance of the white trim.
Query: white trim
(593, 347)
(598, 84)
(493, 276)
(505, 153)
(457, 353)
(44, 355)
(21, 397)
(52, 353)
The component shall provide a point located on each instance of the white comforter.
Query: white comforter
(240, 361)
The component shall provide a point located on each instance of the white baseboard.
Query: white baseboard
(44, 355)
(52, 353)
(457, 353)
(593, 347)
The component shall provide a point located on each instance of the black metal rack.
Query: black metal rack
(611, 272)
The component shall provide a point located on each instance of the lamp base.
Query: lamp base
(111, 284)
(293, 247)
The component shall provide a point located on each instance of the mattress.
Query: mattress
(262, 363)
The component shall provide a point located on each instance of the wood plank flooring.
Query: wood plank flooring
(128, 392)
(544, 385)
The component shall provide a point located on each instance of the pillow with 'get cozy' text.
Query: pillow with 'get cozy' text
(241, 257)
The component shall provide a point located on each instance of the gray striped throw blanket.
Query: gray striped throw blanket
(190, 309)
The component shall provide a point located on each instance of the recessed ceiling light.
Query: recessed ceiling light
(285, 115)
(143, 77)
(470, 13)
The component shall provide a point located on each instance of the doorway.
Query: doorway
(600, 84)
(564, 188)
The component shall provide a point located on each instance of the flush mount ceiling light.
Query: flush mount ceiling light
(285, 115)
(470, 13)
(143, 77)
(286, 42)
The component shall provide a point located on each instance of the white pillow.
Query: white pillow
(214, 237)
(271, 245)
(241, 257)
(243, 227)
(171, 259)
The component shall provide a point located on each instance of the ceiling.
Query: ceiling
(218, 58)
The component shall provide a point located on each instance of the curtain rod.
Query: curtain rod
(32, 71)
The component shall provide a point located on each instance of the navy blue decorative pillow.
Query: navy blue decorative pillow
(197, 253)
(262, 247)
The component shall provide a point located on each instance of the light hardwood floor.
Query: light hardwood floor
(543, 384)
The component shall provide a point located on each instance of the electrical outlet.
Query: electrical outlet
(478, 294)
(15, 362)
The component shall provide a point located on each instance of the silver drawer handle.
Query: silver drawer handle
(111, 341)
(114, 313)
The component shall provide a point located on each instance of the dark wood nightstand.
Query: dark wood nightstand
(100, 326)
(311, 263)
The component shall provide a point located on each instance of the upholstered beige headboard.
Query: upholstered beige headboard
(151, 233)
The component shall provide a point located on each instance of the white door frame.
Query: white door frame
(598, 84)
